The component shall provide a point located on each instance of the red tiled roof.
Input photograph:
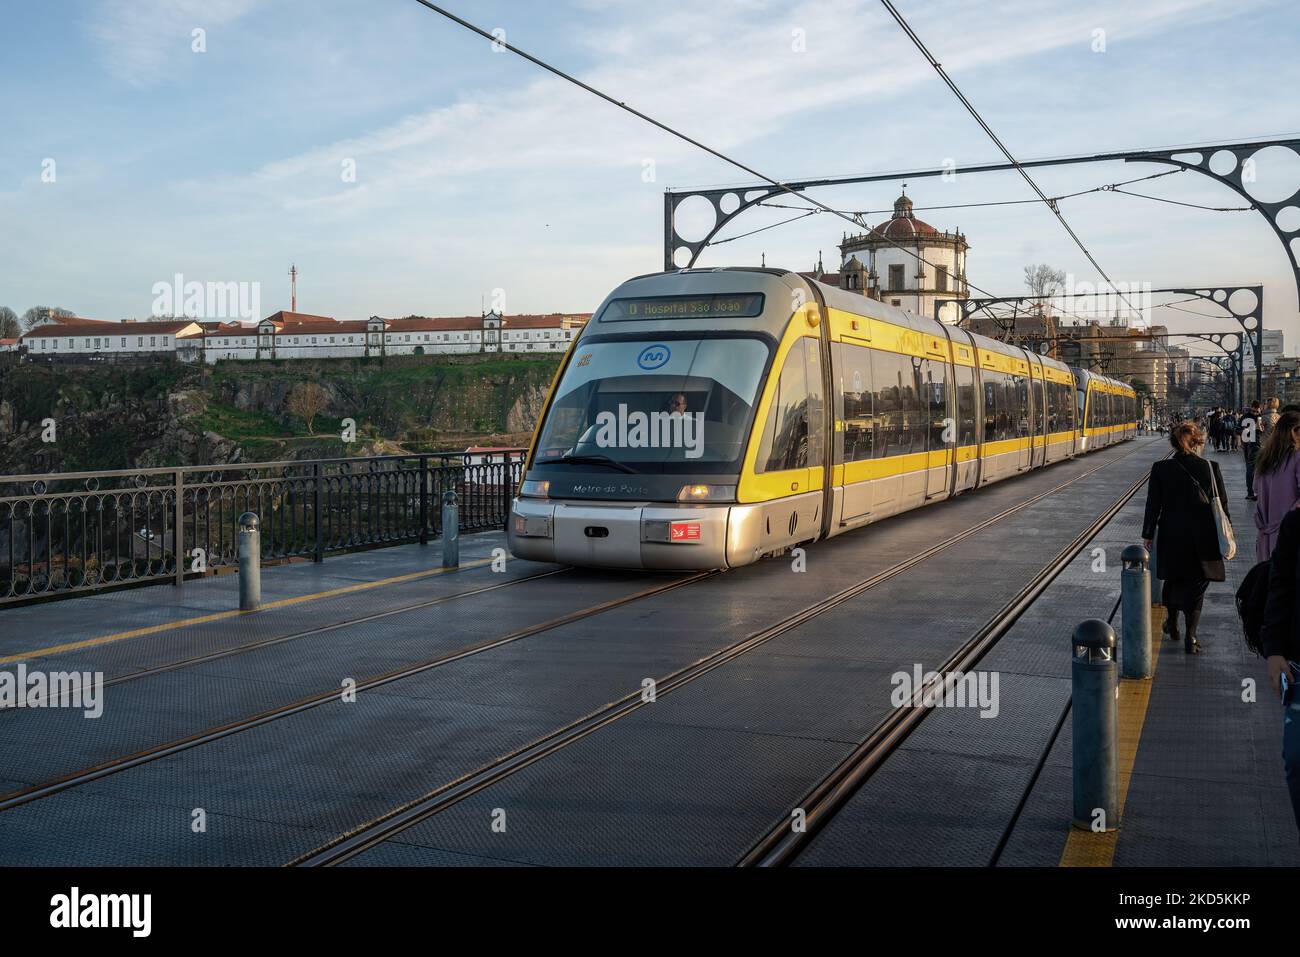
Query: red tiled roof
(435, 324)
(284, 316)
(329, 327)
(89, 327)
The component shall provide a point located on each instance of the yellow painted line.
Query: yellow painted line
(1089, 848)
(235, 613)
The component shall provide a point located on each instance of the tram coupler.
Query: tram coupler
(1135, 599)
(1095, 710)
(250, 562)
(450, 530)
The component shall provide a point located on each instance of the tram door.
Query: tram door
(1039, 417)
(790, 460)
(935, 407)
(1023, 415)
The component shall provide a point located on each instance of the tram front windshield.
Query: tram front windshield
(676, 405)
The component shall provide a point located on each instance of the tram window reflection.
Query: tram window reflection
(859, 410)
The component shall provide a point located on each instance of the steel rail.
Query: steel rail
(96, 772)
(381, 828)
(319, 629)
(783, 843)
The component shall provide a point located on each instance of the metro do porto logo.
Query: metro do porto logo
(654, 357)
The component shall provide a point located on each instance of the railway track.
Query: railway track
(782, 844)
(380, 829)
(307, 632)
(175, 746)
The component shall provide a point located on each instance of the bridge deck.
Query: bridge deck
(484, 663)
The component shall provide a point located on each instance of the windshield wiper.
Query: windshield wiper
(587, 460)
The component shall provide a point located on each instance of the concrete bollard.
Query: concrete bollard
(1135, 598)
(1094, 688)
(250, 562)
(450, 530)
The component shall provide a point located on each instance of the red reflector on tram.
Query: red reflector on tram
(684, 531)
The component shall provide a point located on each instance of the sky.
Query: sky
(406, 167)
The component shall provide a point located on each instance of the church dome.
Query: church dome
(903, 225)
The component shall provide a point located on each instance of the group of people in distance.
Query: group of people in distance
(1180, 522)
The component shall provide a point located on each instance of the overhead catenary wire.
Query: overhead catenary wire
(970, 108)
(501, 43)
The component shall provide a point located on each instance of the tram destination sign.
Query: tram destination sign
(724, 306)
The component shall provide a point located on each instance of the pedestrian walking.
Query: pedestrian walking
(1277, 481)
(1278, 634)
(1181, 521)
(1250, 439)
(1270, 416)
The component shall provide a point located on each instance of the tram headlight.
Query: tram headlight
(707, 493)
(535, 488)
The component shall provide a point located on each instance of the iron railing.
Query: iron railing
(71, 532)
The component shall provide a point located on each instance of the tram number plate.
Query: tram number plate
(684, 531)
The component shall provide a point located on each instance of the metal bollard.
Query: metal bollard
(1095, 688)
(1135, 597)
(250, 562)
(450, 530)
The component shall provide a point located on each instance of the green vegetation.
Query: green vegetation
(167, 413)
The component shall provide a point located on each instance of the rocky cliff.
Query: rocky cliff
(74, 417)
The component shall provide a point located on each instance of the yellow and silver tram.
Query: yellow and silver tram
(705, 418)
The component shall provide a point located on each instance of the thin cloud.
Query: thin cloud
(138, 39)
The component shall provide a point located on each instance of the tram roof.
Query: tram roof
(772, 281)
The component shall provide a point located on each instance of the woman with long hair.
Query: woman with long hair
(1180, 518)
(1277, 481)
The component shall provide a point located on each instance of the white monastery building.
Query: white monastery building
(296, 335)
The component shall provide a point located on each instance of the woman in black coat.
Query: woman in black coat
(1180, 519)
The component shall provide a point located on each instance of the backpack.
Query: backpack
(1252, 596)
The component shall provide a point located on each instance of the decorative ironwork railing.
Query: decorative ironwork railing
(71, 532)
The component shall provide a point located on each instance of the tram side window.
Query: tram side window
(965, 380)
(1020, 411)
(897, 406)
(934, 400)
(1008, 412)
(998, 390)
(785, 436)
(1040, 405)
(858, 410)
(1083, 415)
(1054, 409)
(816, 425)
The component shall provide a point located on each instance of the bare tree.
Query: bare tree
(307, 400)
(10, 328)
(1043, 282)
(36, 315)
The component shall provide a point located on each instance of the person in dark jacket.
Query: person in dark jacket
(1282, 645)
(1250, 441)
(1181, 521)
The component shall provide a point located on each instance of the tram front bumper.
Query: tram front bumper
(619, 535)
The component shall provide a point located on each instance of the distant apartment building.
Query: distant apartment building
(295, 335)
